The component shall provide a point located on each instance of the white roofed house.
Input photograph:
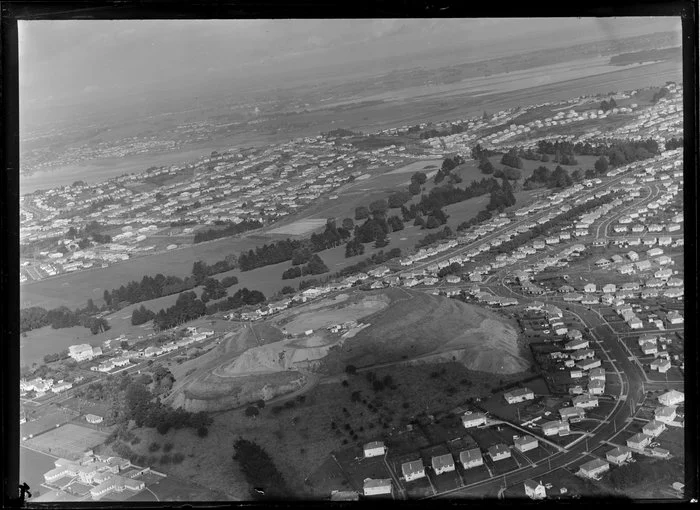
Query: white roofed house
(619, 455)
(551, 428)
(662, 365)
(585, 401)
(413, 470)
(665, 414)
(374, 449)
(589, 287)
(375, 487)
(443, 463)
(639, 441)
(519, 395)
(472, 419)
(671, 398)
(609, 288)
(654, 428)
(594, 468)
(674, 317)
(571, 413)
(471, 458)
(525, 443)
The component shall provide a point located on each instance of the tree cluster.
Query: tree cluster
(149, 288)
(417, 180)
(201, 270)
(544, 177)
(673, 143)
(512, 159)
(661, 93)
(314, 266)
(213, 290)
(62, 317)
(608, 105)
(448, 165)
(229, 230)
(283, 250)
(186, 308)
(141, 316)
(397, 199)
(378, 258)
(141, 407)
(260, 472)
(241, 298)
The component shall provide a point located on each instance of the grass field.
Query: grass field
(68, 441)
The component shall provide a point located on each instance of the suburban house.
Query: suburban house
(374, 487)
(551, 428)
(671, 398)
(574, 334)
(650, 348)
(576, 390)
(93, 418)
(374, 449)
(576, 373)
(499, 452)
(443, 463)
(609, 288)
(571, 413)
(582, 354)
(639, 441)
(619, 455)
(594, 468)
(665, 414)
(654, 428)
(413, 470)
(585, 401)
(662, 365)
(597, 374)
(535, 490)
(587, 364)
(674, 317)
(596, 387)
(525, 443)
(471, 419)
(471, 458)
(519, 395)
(589, 287)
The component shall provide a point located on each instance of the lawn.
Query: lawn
(69, 440)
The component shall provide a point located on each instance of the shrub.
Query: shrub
(202, 431)
(153, 447)
(178, 458)
(165, 459)
(167, 447)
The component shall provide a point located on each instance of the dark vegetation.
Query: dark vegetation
(230, 229)
(262, 475)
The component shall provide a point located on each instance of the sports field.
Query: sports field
(69, 441)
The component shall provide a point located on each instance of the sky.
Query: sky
(99, 61)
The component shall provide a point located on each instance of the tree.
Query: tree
(288, 290)
(414, 188)
(432, 222)
(348, 224)
(397, 199)
(545, 158)
(486, 166)
(577, 175)
(378, 207)
(419, 177)
(351, 369)
(252, 411)
(419, 221)
(361, 213)
(601, 165)
(260, 471)
(395, 223)
(381, 241)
